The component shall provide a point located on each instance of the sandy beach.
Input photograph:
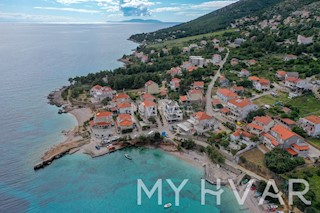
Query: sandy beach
(81, 114)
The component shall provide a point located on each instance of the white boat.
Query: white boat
(168, 205)
(128, 156)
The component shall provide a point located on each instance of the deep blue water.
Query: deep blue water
(36, 59)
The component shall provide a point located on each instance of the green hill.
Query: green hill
(222, 18)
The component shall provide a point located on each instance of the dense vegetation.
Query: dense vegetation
(280, 161)
(217, 20)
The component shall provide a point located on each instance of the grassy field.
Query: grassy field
(270, 100)
(315, 142)
(181, 41)
(307, 104)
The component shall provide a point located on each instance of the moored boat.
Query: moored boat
(128, 156)
(168, 205)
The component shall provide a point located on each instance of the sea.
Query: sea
(36, 59)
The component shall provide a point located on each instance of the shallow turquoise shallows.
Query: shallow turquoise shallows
(36, 59)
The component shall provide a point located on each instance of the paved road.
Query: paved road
(209, 108)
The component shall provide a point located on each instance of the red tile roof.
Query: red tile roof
(103, 114)
(293, 79)
(149, 83)
(198, 84)
(255, 126)
(241, 103)
(253, 78)
(123, 105)
(238, 88)
(226, 92)
(291, 152)
(313, 119)
(224, 110)
(97, 87)
(281, 72)
(288, 121)
(299, 147)
(194, 91)
(124, 120)
(148, 104)
(121, 96)
(263, 119)
(202, 116)
(175, 80)
(216, 102)
(283, 132)
(264, 81)
(183, 98)
(148, 96)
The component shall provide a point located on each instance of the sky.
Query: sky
(96, 11)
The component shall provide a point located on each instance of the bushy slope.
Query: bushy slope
(217, 20)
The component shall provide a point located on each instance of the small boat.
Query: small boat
(97, 147)
(128, 156)
(168, 205)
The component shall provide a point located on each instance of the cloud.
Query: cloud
(136, 7)
(166, 9)
(34, 18)
(211, 5)
(68, 9)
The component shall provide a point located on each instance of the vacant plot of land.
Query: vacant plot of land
(307, 105)
(181, 41)
(254, 156)
(270, 100)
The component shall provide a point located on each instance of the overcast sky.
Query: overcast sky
(105, 10)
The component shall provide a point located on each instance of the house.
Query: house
(240, 108)
(186, 65)
(100, 93)
(304, 85)
(175, 71)
(250, 62)
(195, 96)
(124, 123)
(147, 97)
(175, 84)
(287, 122)
(203, 43)
(269, 141)
(221, 49)
(241, 135)
(244, 73)
(223, 81)
(144, 59)
(197, 61)
(281, 75)
(183, 100)
(202, 122)
(291, 82)
(310, 124)
(260, 124)
(121, 98)
(262, 84)
(216, 59)
(290, 57)
(191, 69)
(292, 75)
(215, 41)
(304, 40)
(101, 124)
(151, 87)
(234, 61)
(165, 51)
(186, 49)
(124, 108)
(148, 109)
(225, 94)
(199, 85)
(288, 140)
(254, 79)
(216, 103)
(171, 111)
(239, 90)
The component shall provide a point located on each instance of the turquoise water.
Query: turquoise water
(36, 59)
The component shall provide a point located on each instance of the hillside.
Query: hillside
(222, 18)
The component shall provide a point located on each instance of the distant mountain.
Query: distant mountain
(221, 19)
(143, 21)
